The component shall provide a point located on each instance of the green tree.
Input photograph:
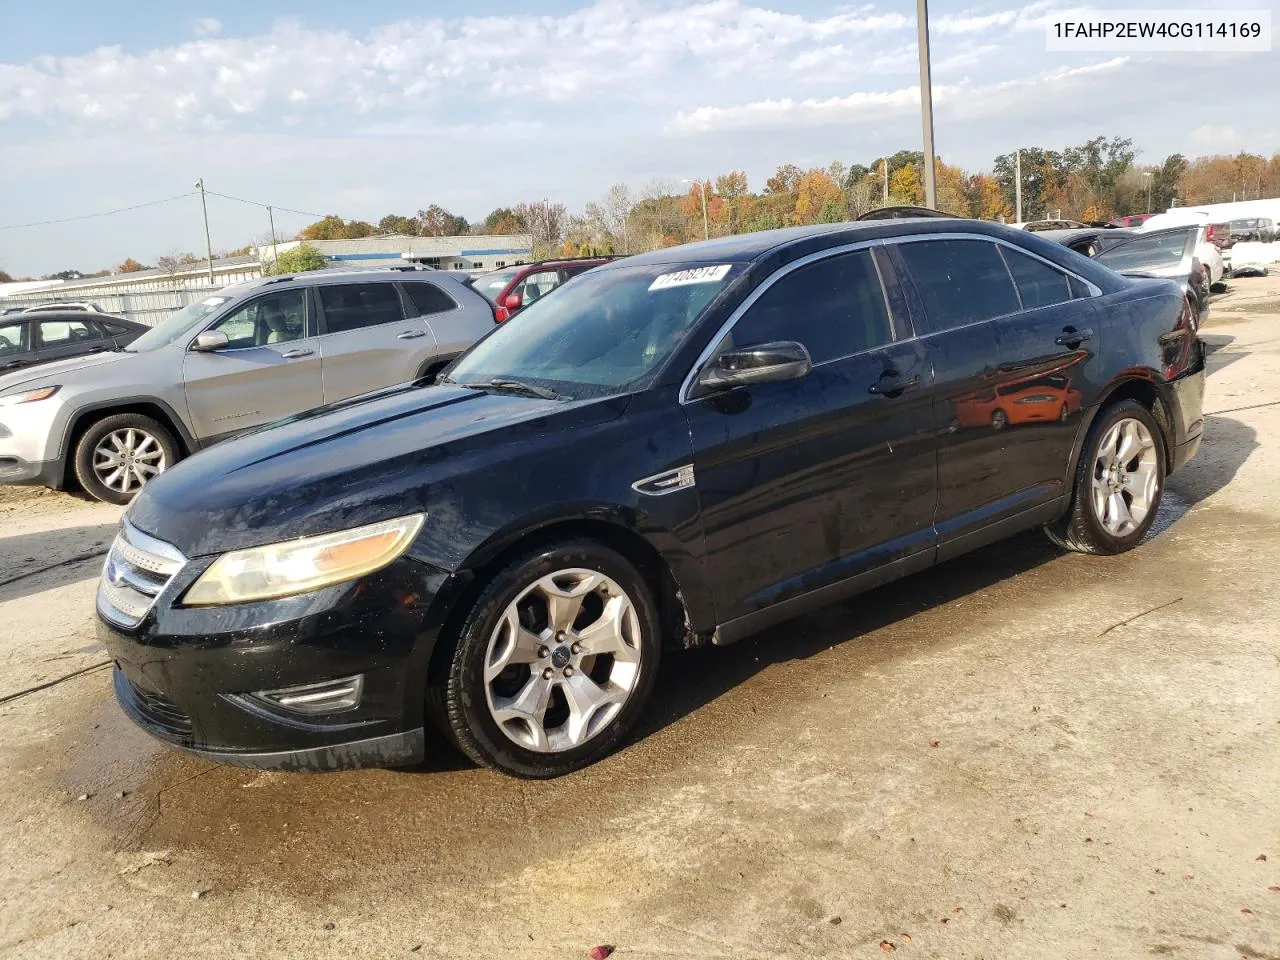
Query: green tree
(833, 211)
(394, 223)
(300, 259)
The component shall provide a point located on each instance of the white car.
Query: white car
(70, 306)
(1209, 253)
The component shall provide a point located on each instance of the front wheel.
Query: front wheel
(1118, 484)
(117, 455)
(553, 662)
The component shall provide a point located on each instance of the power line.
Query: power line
(266, 206)
(90, 216)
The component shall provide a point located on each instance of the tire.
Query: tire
(1088, 528)
(154, 451)
(483, 717)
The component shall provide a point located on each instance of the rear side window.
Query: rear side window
(115, 329)
(352, 306)
(64, 332)
(835, 307)
(1039, 284)
(427, 299)
(960, 281)
(14, 338)
(1147, 253)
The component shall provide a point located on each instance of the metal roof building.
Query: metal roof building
(469, 253)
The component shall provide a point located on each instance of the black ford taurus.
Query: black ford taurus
(675, 448)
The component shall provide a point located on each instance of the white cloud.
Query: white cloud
(207, 27)
(1218, 139)
(610, 47)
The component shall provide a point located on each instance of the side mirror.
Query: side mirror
(767, 363)
(513, 301)
(210, 341)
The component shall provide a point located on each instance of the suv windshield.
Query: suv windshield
(175, 325)
(491, 284)
(607, 331)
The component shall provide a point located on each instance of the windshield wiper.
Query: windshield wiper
(518, 386)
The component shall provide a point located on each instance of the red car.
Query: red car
(1133, 220)
(512, 288)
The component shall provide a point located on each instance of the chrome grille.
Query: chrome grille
(138, 567)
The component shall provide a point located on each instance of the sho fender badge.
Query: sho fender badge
(669, 481)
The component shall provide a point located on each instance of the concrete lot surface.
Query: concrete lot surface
(1020, 754)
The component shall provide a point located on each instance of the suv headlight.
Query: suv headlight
(283, 569)
(13, 399)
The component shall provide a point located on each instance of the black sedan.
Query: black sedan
(27, 339)
(678, 448)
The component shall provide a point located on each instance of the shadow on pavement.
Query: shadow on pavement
(34, 562)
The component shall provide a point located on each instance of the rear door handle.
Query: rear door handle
(295, 354)
(1073, 338)
(892, 388)
(411, 335)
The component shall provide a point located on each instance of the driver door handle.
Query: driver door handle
(411, 335)
(1072, 337)
(886, 387)
(296, 354)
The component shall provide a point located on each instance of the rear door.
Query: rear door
(59, 336)
(15, 345)
(809, 482)
(457, 317)
(366, 340)
(269, 370)
(1007, 396)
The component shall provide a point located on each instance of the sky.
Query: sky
(367, 109)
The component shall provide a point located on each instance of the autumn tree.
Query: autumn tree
(986, 199)
(503, 220)
(131, 265)
(546, 223)
(905, 186)
(814, 191)
(784, 180)
(333, 227)
(5, 277)
(394, 223)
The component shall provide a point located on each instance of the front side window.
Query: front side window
(960, 281)
(177, 325)
(608, 332)
(834, 307)
(64, 332)
(352, 306)
(1162, 251)
(279, 318)
(1039, 284)
(537, 285)
(14, 338)
(427, 299)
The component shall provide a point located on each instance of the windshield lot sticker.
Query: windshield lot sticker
(683, 278)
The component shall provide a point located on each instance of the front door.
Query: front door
(807, 483)
(270, 368)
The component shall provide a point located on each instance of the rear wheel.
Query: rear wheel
(553, 663)
(119, 454)
(1118, 484)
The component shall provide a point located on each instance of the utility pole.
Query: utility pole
(275, 257)
(885, 163)
(1017, 186)
(706, 229)
(926, 105)
(208, 244)
(1147, 174)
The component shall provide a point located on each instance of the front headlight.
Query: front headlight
(13, 399)
(283, 569)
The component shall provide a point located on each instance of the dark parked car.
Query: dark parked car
(512, 289)
(681, 447)
(1169, 253)
(27, 339)
(1261, 229)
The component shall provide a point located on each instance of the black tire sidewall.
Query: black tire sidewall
(1126, 410)
(466, 690)
(90, 439)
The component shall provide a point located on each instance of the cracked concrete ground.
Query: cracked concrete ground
(1019, 754)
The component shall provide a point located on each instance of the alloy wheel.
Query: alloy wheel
(1126, 477)
(563, 660)
(124, 460)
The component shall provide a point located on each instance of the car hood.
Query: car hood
(352, 463)
(56, 372)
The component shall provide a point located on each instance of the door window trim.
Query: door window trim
(308, 326)
(714, 344)
(407, 304)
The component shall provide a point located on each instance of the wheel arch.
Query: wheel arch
(90, 414)
(1144, 388)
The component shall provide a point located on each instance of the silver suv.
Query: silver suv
(251, 354)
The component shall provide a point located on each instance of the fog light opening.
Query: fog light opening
(310, 699)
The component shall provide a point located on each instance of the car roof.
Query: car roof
(747, 247)
(361, 274)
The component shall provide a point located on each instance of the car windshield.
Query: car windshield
(176, 324)
(605, 332)
(490, 284)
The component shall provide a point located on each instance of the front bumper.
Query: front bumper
(30, 434)
(193, 677)
(19, 472)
